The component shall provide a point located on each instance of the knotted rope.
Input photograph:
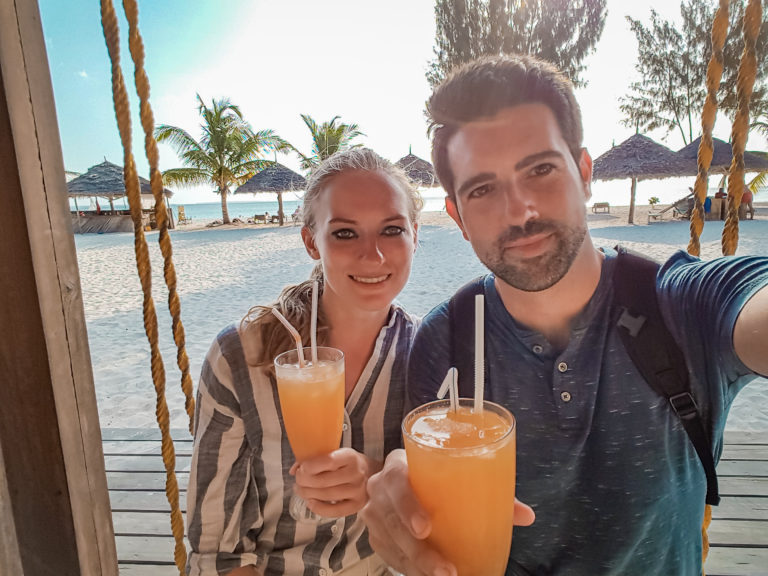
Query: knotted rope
(753, 17)
(708, 114)
(122, 112)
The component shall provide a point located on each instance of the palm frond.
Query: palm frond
(178, 138)
(185, 177)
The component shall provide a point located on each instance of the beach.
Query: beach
(224, 270)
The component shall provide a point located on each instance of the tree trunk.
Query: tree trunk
(280, 214)
(224, 210)
(631, 218)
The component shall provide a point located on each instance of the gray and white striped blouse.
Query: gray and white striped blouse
(239, 486)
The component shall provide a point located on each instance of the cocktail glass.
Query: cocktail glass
(461, 466)
(312, 404)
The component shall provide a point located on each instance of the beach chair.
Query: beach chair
(259, 219)
(182, 216)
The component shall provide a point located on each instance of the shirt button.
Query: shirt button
(565, 396)
(344, 427)
(562, 366)
(537, 349)
(323, 572)
(334, 529)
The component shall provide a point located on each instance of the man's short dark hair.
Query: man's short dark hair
(484, 87)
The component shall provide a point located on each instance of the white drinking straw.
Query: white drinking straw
(313, 324)
(450, 386)
(295, 334)
(479, 352)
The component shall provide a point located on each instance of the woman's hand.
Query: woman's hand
(335, 485)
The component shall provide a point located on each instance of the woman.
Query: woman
(360, 223)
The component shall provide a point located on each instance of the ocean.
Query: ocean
(433, 202)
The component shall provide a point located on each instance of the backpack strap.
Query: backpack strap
(656, 354)
(461, 311)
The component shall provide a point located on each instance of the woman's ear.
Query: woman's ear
(309, 243)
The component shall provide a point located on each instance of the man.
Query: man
(746, 205)
(615, 482)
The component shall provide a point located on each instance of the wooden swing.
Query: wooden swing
(730, 235)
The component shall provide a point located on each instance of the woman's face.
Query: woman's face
(365, 239)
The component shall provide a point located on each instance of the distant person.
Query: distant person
(360, 223)
(746, 203)
(603, 460)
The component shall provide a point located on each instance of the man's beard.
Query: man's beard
(541, 272)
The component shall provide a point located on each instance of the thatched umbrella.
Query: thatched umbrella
(721, 157)
(274, 178)
(421, 172)
(638, 158)
(105, 180)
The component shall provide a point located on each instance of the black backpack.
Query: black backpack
(647, 340)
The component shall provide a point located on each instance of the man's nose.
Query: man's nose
(520, 204)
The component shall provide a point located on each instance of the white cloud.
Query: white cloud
(83, 74)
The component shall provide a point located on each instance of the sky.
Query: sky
(363, 60)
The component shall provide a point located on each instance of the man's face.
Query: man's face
(520, 196)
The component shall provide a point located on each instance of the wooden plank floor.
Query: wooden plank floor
(140, 511)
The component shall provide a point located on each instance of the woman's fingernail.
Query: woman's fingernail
(419, 523)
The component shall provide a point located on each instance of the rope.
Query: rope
(753, 16)
(704, 536)
(156, 180)
(714, 74)
(122, 112)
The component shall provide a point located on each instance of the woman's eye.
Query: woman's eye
(344, 234)
(393, 230)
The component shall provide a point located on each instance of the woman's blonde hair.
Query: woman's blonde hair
(295, 302)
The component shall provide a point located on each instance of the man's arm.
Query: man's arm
(750, 334)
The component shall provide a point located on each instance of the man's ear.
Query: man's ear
(453, 212)
(309, 243)
(585, 169)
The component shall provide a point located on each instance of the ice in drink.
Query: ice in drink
(312, 401)
(461, 466)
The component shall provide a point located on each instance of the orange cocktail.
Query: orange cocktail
(312, 401)
(461, 466)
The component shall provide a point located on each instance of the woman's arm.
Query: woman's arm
(219, 472)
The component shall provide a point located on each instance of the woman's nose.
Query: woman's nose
(371, 250)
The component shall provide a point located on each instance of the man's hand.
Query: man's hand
(398, 526)
(335, 485)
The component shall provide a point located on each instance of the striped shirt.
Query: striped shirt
(239, 486)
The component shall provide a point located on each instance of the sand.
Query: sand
(222, 271)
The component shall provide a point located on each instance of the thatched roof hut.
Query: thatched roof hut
(105, 180)
(640, 158)
(721, 157)
(421, 172)
(274, 178)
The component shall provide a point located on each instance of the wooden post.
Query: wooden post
(52, 482)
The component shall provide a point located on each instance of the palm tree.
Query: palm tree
(327, 139)
(761, 125)
(227, 155)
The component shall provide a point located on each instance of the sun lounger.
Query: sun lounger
(601, 207)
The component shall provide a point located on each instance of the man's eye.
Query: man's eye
(393, 230)
(542, 169)
(344, 234)
(480, 191)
